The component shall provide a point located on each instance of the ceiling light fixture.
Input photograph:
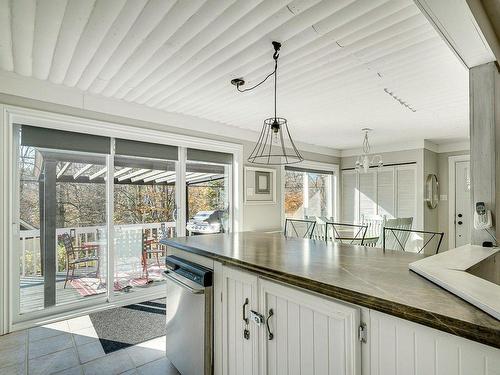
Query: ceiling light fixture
(364, 162)
(270, 148)
(401, 101)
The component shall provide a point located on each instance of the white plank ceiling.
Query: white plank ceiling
(337, 58)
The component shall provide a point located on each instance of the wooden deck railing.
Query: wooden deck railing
(30, 264)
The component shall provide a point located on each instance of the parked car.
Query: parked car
(206, 222)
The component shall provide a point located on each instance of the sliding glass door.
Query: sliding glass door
(91, 212)
(143, 212)
(62, 217)
(208, 192)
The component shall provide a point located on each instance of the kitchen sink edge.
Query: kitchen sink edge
(470, 272)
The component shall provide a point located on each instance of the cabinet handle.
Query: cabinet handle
(270, 335)
(244, 315)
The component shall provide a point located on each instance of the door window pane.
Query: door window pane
(144, 210)
(62, 216)
(207, 196)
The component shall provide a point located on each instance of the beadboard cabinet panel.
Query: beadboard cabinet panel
(311, 335)
(400, 347)
(240, 355)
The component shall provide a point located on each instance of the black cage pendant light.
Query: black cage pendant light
(274, 145)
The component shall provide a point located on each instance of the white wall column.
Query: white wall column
(484, 91)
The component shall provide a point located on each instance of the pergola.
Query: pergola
(54, 166)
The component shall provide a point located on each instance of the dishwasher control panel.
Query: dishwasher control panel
(192, 271)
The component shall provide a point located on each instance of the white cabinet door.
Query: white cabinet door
(239, 296)
(311, 335)
(385, 192)
(400, 347)
(368, 194)
(407, 192)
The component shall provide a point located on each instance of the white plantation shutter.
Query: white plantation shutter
(385, 192)
(349, 190)
(389, 191)
(406, 192)
(368, 194)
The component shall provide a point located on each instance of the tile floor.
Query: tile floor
(71, 347)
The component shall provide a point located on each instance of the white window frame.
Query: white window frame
(10, 319)
(334, 183)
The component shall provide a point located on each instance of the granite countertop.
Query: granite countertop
(365, 276)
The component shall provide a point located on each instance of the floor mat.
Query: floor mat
(90, 286)
(125, 326)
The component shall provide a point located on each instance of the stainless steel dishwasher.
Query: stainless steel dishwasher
(189, 316)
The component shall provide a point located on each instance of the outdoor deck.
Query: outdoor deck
(32, 294)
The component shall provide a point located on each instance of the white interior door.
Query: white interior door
(462, 203)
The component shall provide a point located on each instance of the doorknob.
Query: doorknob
(460, 223)
(459, 215)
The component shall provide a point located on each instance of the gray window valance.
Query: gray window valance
(308, 170)
(145, 149)
(63, 140)
(209, 156)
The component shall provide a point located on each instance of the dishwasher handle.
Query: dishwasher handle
(184, 283)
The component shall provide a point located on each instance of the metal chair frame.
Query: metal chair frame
(337, 236)
(309, 230)
(434, 234)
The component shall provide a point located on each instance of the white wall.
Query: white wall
(255, 217)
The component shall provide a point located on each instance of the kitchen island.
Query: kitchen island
(360, 304)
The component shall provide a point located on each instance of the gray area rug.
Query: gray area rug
(125, 326)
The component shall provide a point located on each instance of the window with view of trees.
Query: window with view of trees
(307, 193)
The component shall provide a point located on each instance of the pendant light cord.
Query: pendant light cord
(258, 84)
(275, 57)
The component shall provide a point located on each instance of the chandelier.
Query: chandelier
(365, 161)
(274, 138)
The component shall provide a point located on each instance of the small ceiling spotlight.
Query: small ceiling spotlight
(399, 100)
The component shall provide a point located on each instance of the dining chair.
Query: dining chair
(319, 231)
(375, 223)
(427, 238)
(77, 255)
(395, 239)
(299, 228)
(353, 234)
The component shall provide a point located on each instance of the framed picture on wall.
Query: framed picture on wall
(260, 185)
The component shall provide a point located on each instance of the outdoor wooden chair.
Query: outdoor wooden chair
(151, 248)
(78, 255)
